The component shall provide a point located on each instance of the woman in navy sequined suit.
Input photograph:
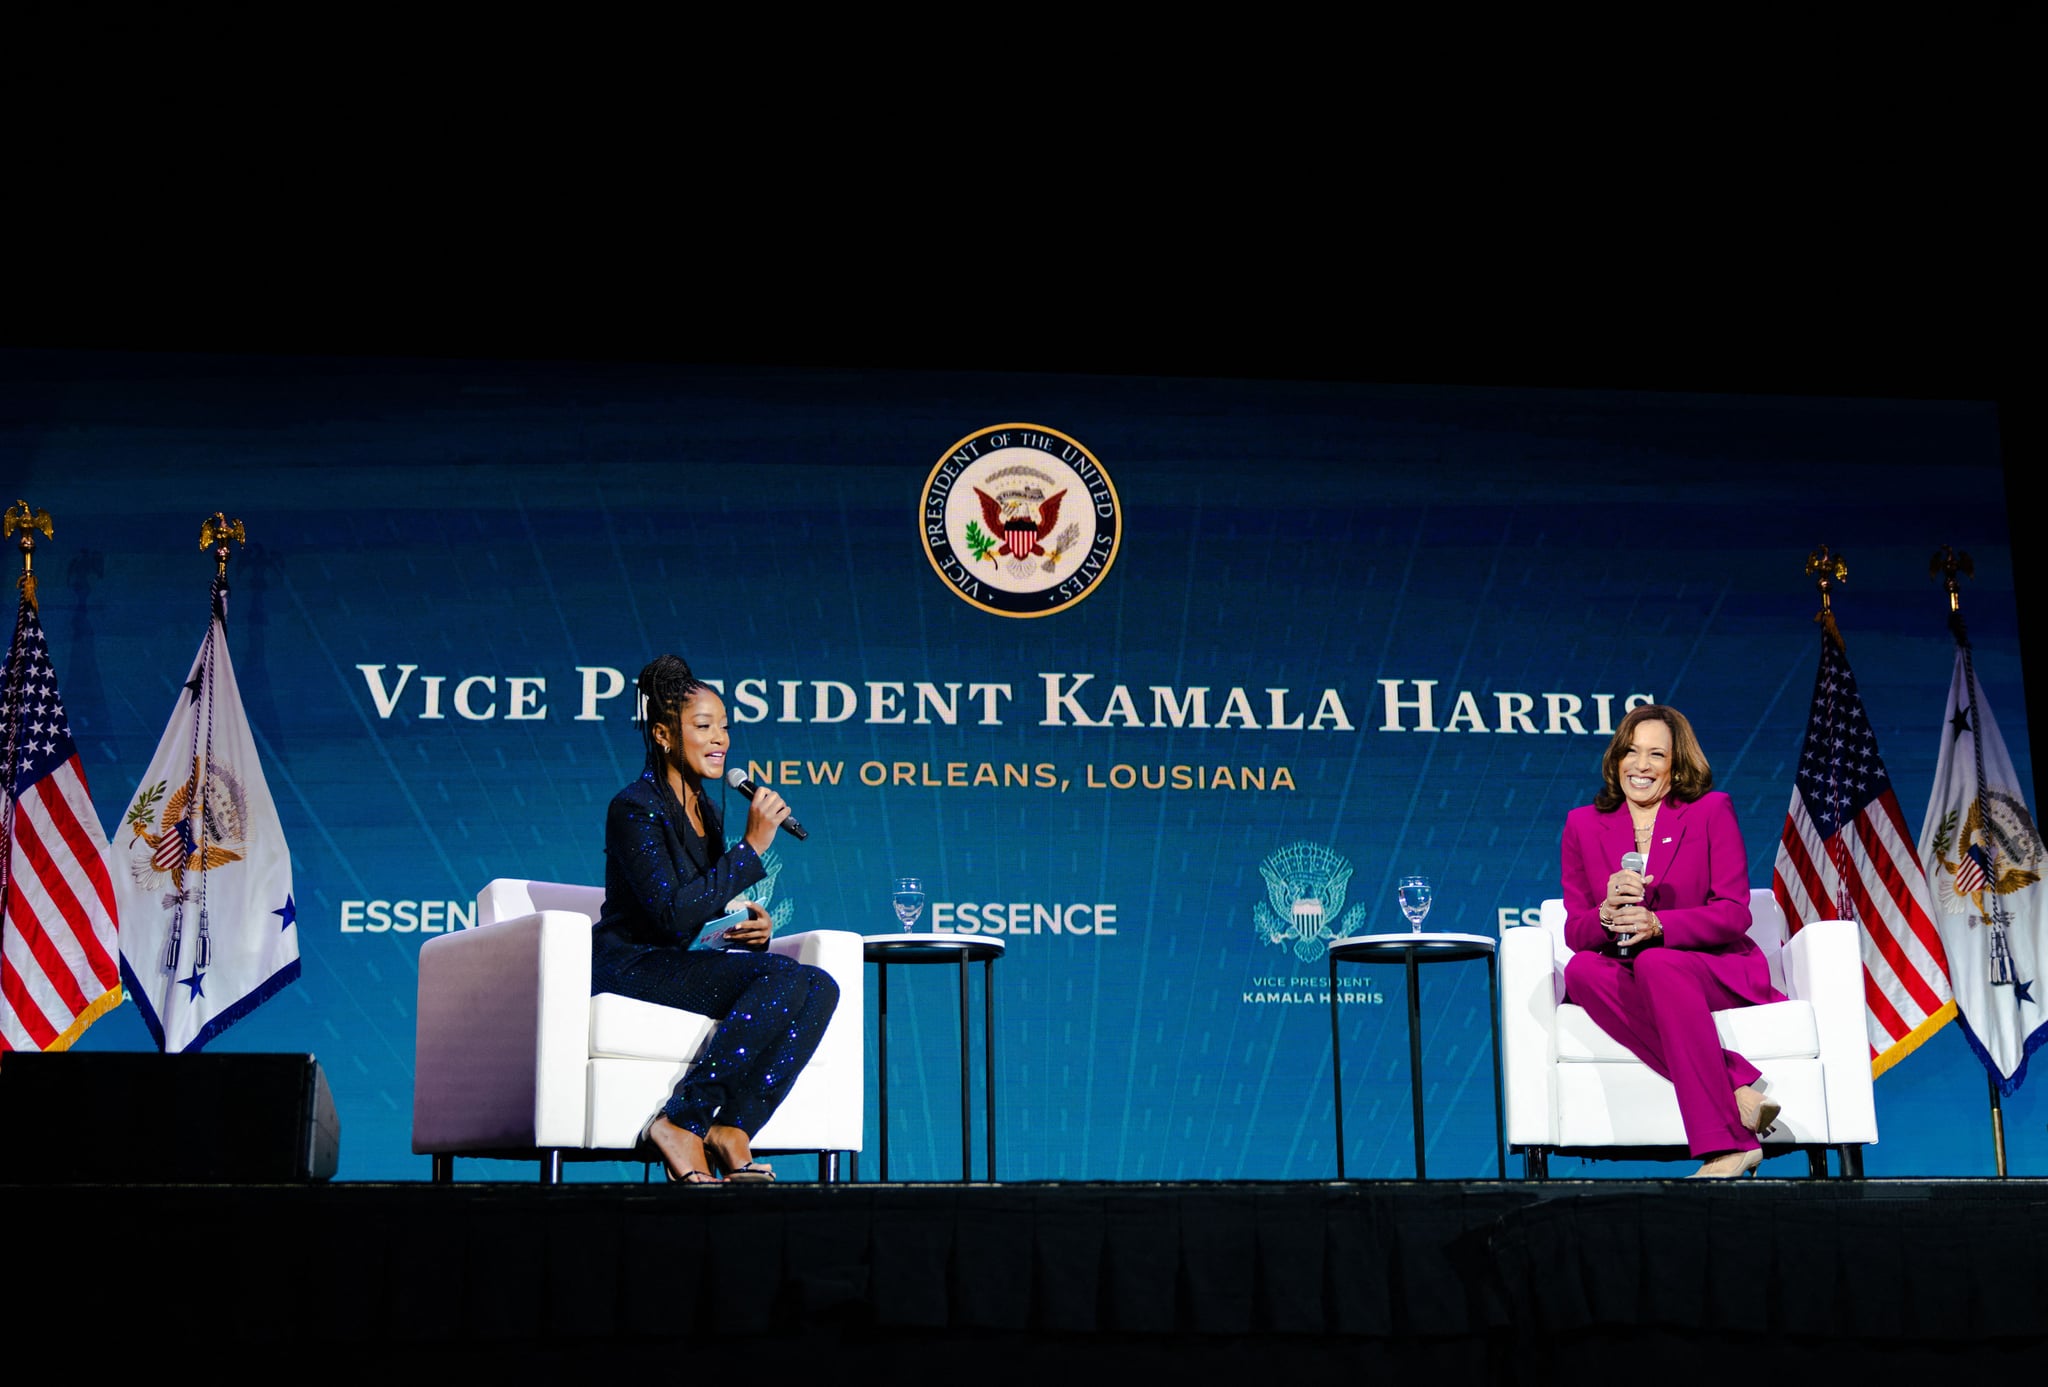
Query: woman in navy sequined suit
(667, 874)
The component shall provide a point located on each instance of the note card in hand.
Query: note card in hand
(712, 936)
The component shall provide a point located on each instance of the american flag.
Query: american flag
(1845, 854)
(59, 969)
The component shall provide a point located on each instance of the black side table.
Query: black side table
(1415, 949)
(962, 949)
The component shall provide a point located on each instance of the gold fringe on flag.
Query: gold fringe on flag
(1913, 1039)
(103, 1004)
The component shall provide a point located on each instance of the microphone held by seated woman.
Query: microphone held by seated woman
(1656, 951)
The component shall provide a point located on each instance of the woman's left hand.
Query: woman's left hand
(752, 932)
(1634, 924)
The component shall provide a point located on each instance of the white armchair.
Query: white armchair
(516, 1060)
(1572, 1089)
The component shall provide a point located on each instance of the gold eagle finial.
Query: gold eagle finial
(38, 519)
(1947, 563)
(1827, 568)
(28, 522)
(215, 534)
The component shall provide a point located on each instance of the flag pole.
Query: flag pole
(214, 534)
(1827, 568)
(27, 522)
(1997, 1126)
(1946, 566)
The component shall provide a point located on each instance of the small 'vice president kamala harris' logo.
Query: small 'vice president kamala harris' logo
(1020, 520)
(1304, 905)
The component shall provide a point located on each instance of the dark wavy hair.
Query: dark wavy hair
(1691, 776)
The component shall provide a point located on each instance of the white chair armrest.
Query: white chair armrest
(837, 951)
(1824, 968)
(1530, 987)
(827, 1106)
(502, 1036)
(513, 898)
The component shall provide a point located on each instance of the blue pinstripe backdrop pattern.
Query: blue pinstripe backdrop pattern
(523, 520)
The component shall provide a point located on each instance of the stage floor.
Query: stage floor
(1510, 1281)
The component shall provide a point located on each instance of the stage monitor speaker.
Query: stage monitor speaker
(165, 1119)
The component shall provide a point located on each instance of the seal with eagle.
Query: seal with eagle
(1020, 516)
(173, 847)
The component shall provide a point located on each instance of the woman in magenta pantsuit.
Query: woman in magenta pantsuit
(1656, 953)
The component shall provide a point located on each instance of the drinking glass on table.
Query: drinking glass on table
(908, 900)
(1413, 893)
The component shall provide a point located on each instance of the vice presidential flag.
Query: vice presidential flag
(58, 952)
(202, 869)
(1983, 857)
(1844, 854)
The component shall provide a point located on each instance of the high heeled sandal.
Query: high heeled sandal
(753, 1172)
(687, 1177)
(747, 1172)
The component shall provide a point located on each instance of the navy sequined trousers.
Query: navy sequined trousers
(772, 1012)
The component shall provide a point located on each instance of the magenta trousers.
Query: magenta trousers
(1660, 1005)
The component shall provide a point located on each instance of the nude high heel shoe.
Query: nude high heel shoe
(1756, 1109)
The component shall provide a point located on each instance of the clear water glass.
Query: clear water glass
(1414, 896)
(908, 899)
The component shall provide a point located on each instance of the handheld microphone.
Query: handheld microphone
(1630, 862)
(737, 778)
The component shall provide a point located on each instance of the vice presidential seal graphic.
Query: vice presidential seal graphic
(1998, 854)
(1304, 906)
(1020, 520)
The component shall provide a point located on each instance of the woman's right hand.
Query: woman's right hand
(765, 813)
(1626, 888)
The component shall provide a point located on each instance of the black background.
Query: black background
(1826, 211)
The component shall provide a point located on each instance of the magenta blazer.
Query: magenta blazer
(1701, 891)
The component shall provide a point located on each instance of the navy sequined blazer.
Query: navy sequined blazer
(662, 880)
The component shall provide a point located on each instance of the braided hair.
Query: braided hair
(666, 685)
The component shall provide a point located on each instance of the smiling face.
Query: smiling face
(1645, 768)
(696, 744)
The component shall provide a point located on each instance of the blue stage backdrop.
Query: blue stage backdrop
(1088, 655)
